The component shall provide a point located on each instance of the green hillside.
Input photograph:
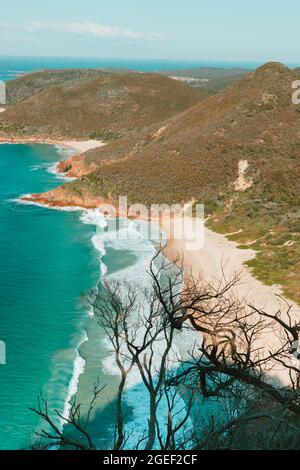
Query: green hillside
(92, 104)
(197, 157)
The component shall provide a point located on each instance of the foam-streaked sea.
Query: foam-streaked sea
(49, 260)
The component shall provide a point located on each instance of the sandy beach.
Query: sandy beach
(80, 146)
(217, 254)
(204, 254)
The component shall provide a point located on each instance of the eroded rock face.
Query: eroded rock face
(75, 167)
(62, 197)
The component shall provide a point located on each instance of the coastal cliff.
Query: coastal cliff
(62, 197)
(76, 167)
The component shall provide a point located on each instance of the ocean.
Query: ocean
(43, 255)
(50, 259)
(11, 68)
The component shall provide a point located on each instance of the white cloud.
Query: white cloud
(3, 25)
(91, 29)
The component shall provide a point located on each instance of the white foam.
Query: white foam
(65, 151)
(137, 396)
(103, 269)
(91, 312)
(99, 244)
(128, 238)
(78, 370)
(96, 218)
(23, 202)
(93, 217)
(41, 166)
(52, 168)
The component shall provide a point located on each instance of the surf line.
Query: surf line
(2, 353)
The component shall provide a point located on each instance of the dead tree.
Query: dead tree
(230, 361)
(54, 435)
(113, 314)
(142, 336)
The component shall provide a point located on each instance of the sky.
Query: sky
(204, 30)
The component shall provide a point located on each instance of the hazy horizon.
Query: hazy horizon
(30, 63)
(217, 31)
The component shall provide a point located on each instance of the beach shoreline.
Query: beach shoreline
(79, 146)
(214, 255)
(216, 260)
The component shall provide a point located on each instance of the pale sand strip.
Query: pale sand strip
(2, 110)
(79, 146)
(82, 146)
(218, 252)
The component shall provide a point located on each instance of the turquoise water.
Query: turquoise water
(11, 67)
(47, 262)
